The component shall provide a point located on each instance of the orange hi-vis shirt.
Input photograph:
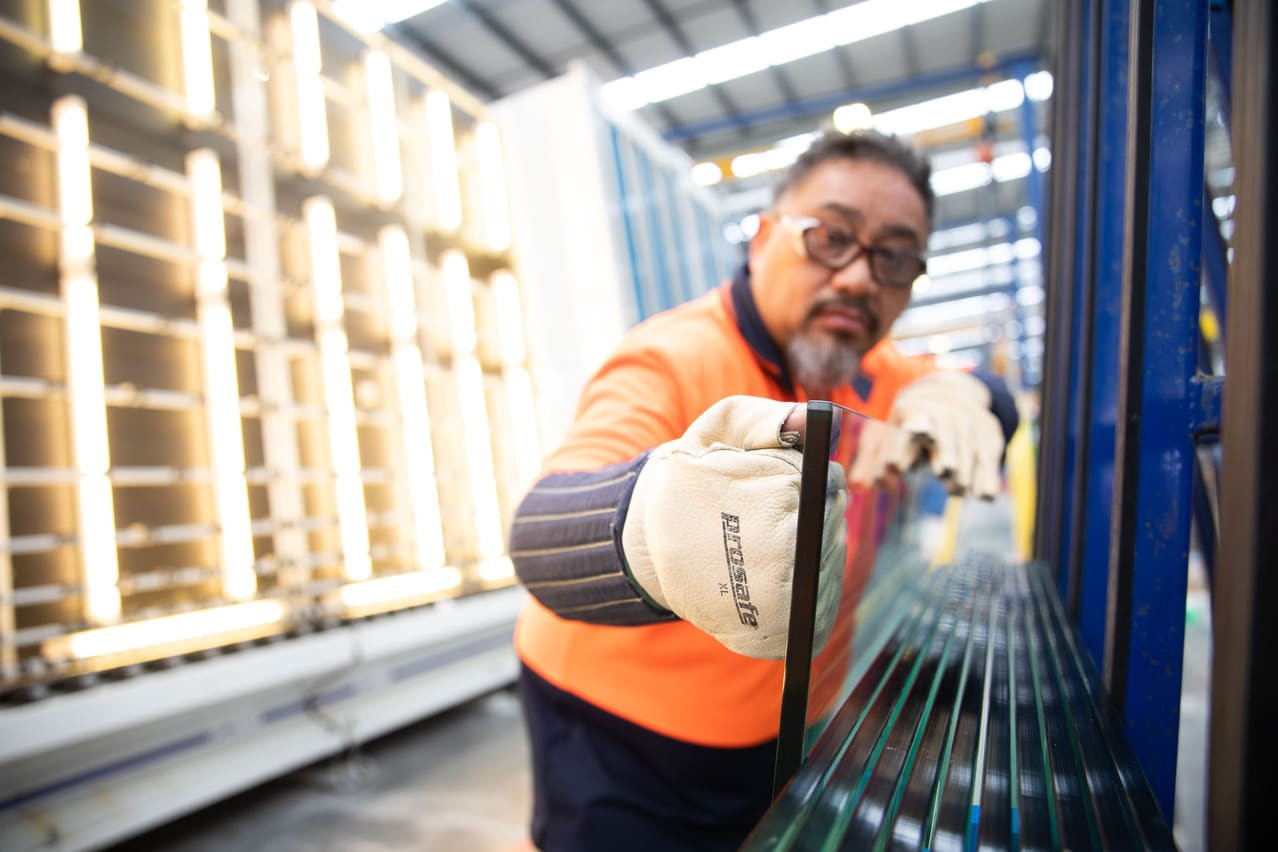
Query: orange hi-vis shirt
(670, 677)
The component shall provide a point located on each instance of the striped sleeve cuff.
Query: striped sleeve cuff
(566, 545)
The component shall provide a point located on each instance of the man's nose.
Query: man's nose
(855, 277)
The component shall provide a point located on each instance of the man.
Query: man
(652, 711)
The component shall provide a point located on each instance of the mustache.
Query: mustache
(847, 303)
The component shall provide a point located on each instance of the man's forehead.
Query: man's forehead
(862, 191)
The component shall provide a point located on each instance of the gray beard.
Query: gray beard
(821, 362)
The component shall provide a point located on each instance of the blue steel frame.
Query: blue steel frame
(1092, 553)
(1124, 401)
(1161, 404)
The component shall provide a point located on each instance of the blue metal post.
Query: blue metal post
(1076, 409)
(1033, 181)
(1158, 399)
(1106, 319)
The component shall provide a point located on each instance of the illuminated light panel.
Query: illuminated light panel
(850, 117)
(65, 33)
(411, 387)
(706, 174)
(461, 307)
(952, 109)
(84, 363)
(197, 57)
(977, 174)
(443, 160)
(523, 415)
(774, 48)
(398, 590)
(221, 388)
(311, 108)
(509, 316)
(479, 460)
(495, 570)
(168, 630)
(388, 175)
(492, 187)
(335, 368)
(1038, 86)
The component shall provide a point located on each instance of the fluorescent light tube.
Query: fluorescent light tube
(197, 57)
(410, 383)
(307, 67)
(388, 175)
(221, 388)
(335, 370)
(84, 380)
(443, 159)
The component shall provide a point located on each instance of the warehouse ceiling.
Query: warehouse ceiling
(842, 52)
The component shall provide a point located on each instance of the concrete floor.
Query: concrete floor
(458, 782)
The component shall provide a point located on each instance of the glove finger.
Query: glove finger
(987, 478)
(906, 447)
(962, 458)
(946, 448)
(744, 422)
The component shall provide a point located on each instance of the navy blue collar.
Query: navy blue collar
(751, 326)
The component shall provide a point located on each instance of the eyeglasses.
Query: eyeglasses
(896, 268)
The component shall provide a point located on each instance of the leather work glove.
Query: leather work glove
(710, 532)
(944, 416)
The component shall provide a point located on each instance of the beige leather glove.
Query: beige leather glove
(946, 417)
(711, 527)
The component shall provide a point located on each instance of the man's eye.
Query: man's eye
(836, 241)
(896, 258)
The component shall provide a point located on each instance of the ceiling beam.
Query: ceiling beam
(506, 37)
(437, 56)
(601, 43)
(671, 26)
(910, 50)
(850, 78)
(977, 17)
(878, 92)
(778, 74)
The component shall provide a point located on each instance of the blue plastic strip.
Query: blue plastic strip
(642, 309)
(1107, 324)
(678, 236)
(1167, 412)
(657, 240)
(710, 269)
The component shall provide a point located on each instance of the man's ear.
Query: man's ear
(761, 235)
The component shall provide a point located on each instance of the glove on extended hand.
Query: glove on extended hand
(711, 527)
(946, 413)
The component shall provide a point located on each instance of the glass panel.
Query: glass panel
(882, 564)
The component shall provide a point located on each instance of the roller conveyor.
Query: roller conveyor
(978, 724)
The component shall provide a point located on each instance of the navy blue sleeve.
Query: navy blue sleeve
(566, 545)
(1002, 403)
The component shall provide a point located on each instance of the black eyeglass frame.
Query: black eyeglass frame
(801, 226)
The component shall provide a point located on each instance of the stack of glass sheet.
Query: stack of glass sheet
(978, 724)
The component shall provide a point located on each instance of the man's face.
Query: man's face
(816, 314)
